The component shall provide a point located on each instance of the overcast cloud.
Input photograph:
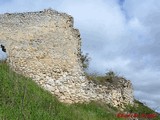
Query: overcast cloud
(122, 35)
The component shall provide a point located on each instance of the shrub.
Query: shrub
(85, 60)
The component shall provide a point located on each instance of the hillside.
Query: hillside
(22, 99)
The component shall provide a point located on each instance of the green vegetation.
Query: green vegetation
(110, 77)
(22, 99)
(139, 108)
(85, 59)
(142, 110)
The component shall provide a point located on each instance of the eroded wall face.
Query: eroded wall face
(45, 46)
(40, 40)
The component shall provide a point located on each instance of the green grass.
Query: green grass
(141, 109)
(110, 78)
(22, 99)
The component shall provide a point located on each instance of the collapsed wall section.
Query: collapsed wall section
(45, 46)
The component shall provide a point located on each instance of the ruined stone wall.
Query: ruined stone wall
(44, 46)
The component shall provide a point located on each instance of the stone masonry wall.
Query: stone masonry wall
(44, 46)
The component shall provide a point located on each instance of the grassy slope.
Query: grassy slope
(22, 99)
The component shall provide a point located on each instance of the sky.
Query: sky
(119, 35)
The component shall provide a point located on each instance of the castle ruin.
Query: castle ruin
(46, 47)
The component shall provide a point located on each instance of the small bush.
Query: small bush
(85, 59)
